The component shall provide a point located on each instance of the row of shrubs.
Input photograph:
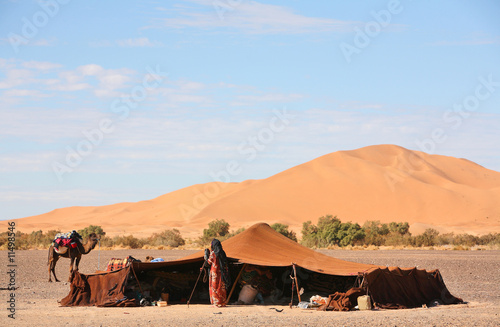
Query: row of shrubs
(329, 232)
(37, 239)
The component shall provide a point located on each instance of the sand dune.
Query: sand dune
(382, 182)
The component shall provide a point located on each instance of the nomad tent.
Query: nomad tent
(261, 247)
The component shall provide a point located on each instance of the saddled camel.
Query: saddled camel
(75, 254)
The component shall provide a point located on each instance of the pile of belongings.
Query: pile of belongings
(256, 282)
(68, 240)
(314, 302)
(116, 264)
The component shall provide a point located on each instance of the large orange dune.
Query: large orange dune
(380, 182)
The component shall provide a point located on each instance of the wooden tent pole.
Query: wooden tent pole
(296, 281)
(235, 282)
(132, 267)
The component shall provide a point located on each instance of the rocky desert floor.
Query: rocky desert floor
(472, 275)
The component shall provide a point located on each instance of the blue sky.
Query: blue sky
(105, 102)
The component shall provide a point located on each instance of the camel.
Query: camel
(75, 254)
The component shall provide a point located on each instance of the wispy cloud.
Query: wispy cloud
(476, 38)
(138, 42)
(41, 78)
(251, 17)
(268, 97)
(141, 42)
(467, 42)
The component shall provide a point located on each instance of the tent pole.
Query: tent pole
(235, 282)
(132, 267)
(296, 281)
(99, 256)
(196, 284)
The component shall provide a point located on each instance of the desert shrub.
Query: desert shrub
(350, 234)
(427, 238)
(216, 229)
(396, 239)
(445, 239)
(106, 241)
(171, 238)
(399, 228)
(283, 230)
(51, 234)
(375, 232)
(233, 233)
(492, 239)
(465, 240)
(128, 242)
(4, 239)
(309, 234)
(328, 227)
(331, 231)
(85, 232)
(22, 241)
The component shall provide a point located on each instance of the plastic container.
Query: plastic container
(247, 294)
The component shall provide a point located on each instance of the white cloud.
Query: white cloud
(271, 97)
(43, 42)
(254, 18)
(48, 77)
(41, 65)
(90, 70)
(490, 41)
(54, 195)
(138, 42)
(25, 93)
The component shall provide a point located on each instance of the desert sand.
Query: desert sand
(382, 182)
(471, 275)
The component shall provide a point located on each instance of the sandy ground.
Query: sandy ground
(471, 275)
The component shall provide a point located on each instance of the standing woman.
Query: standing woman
(219, 281)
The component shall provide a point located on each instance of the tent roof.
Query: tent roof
(261, 245)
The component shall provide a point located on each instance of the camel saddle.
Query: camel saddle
(68, 240)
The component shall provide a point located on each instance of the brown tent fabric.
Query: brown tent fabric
(262, 246)
(343, 301)
(395, 288)
(106, 289)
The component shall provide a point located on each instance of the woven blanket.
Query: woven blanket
(115, 263)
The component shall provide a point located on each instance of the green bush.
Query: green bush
(283, 230)
(309, 234)
(171, 238)
(399, 228)
(465, 240)
(216, 229)
(85, 232)
(128, 241)
(236, 232)
(428, 238)
(331, 231)
(492, 239)
(375, 232)
(445, 239)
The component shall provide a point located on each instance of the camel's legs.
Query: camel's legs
(52, 267)
(49, 262)
(78, 258)
(71, 267)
